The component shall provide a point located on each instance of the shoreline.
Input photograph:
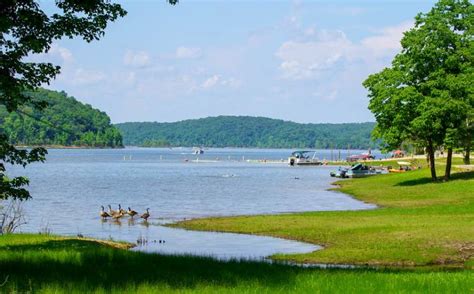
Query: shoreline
(66, 147)
(48, 263)
(231, 224)
(51, 264)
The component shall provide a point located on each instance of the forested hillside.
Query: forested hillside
(245, 131)
(65, 122)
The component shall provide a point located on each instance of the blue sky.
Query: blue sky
(302, 61)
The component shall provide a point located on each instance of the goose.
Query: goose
(111, 211)
(103, 213)
(131, 212)
(117, 215)
(121, 210)
(146, 215)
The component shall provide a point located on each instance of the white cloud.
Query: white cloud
(136, 59)
(64, 53)
(187, 52)
(210, 82)
(311, 31)
(231, 82)
(305, 60)
(56, 54)
(86, 77)
(308, 59)
(387, 39)
(217, 80)
(71, 72)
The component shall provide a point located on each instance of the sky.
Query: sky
(302, 61)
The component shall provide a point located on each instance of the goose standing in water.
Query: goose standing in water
(122, 211)
(131, 212)
(111, 211)
(103, 213)
(146, 215)
(117, 215)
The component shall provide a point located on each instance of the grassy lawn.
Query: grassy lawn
(418, 223)
(49, 264)
(422, 235)
(393, 162)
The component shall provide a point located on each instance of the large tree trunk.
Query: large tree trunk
(467, 142)
(467, 152)
(431, 157)
(447, 174)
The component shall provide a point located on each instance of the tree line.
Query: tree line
(65, 122)
(246, 131)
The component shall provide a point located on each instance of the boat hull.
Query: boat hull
(309, 163)
(363, 174)
(303, 162)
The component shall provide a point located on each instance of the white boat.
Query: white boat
(360, 170)
(302, 157)
(341, 172)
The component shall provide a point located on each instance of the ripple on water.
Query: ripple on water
(70, 187)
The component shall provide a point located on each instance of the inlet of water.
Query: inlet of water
(70, 187)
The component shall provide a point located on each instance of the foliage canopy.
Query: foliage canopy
(246, 131)
(65, 122)
(26, 29)
(426, 96)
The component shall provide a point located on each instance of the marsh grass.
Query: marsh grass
(50, 264)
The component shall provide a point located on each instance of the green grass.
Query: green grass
(393, 162)
(49, 264)
(421, 236)
(384, 163)
(418, 223)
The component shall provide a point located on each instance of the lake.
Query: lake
(69, 188)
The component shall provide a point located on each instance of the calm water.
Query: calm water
(70, 187)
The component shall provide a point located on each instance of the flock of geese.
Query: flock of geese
(117, 214)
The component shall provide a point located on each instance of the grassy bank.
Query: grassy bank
(418, 223)
(48, 264)
(418, 161)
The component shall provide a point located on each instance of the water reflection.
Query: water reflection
(131, 222)
(145, 223)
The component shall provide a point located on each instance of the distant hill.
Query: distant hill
(246, 131)
(65, 122)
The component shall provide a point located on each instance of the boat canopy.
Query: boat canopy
(357, 166)
(301, 152)
(360, 166)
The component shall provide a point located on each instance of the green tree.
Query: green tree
(426, 95)
(65, 121)
(26, 29)
(245, 131)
